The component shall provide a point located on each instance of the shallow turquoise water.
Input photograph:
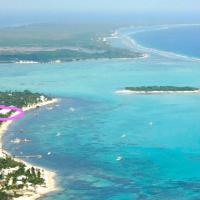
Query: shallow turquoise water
(157, 136)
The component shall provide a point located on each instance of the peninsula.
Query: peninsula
(50, 43)
(158, 90)
(18, 179)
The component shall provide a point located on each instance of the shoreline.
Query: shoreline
(156, 92)
(48, 175)
(150, 50)
(143, 55)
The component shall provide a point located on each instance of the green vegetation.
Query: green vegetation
(65, 55)
(47, 43)
(56, 35)
(160, 88)
(18, 177)
(5, 196)
(9, 163)
(15, 175)
(21, 99)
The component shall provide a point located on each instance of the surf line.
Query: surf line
(19, 111)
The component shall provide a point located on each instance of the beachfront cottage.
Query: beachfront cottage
(19, 183)
(9, 170)
(20, 178)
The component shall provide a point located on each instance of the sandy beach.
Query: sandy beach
(48, 175)
(156, 92)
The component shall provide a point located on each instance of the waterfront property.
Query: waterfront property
(16, 177)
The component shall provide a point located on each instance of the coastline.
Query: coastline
(142, 56)
(156, 92)
(49, 176)
(153, 51)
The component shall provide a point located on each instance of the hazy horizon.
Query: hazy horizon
(13, 19)
(101, 6)
(123, 12)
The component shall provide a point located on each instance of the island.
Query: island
(19, 179)
(158, 90)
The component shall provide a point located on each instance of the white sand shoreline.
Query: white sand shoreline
(156, 92)
(48, 175)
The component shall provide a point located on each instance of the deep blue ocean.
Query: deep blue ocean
(183, 40)
(106, 146)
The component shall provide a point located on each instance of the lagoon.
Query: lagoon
(109, 146)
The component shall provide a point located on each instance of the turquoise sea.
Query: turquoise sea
(106, 146)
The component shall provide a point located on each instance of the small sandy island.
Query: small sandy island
(32, 193)
(155, 92)
(158, 90)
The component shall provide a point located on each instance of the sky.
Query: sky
(113, 6)
(17, 12)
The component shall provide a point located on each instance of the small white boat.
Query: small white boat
(119, 158)
(71, 109)
(58, 134)
(123, 136)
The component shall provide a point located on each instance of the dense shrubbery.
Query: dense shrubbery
(20, 99)
(68, 55)
(5, 196)
(9, 163)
